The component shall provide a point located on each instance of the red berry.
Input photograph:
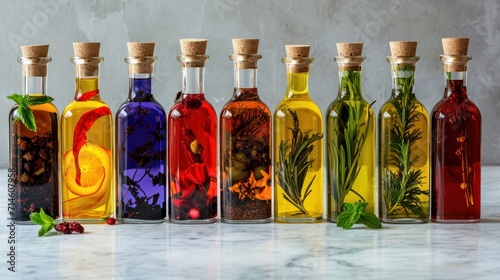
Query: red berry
(76, 226)
(194, 213)
(111, 221)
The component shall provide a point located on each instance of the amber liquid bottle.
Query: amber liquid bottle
(404, 144)
(88, 189)
(192, 143)
(298, 146)
(34, 154)
(245, 143)
(350, 142)
(456, 143)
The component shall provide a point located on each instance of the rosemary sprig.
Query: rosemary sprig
(403, 186)
(354, 123)
(294, 163)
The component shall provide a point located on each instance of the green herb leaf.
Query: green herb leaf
(37, 100)
(25, 114)
(35, 218)
(46, 221)
(355, 213)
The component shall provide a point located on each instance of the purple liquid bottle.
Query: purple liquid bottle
(141, 144)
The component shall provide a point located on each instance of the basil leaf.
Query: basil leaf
(45, 228)
(370, 220)
(16, 97)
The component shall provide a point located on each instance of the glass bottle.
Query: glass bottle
(404, 144)
(245, 143)
(456, 142)
(350, 129)
(298, 149)
(88, 193)
(34, 154)
(192, 143)
(141, 124)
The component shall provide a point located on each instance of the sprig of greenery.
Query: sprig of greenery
(352, 132)
(403, 186)
(356, 213)
(24, 111)
(294, 163)
(46, 221)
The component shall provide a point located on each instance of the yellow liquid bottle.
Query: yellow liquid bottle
(298, 147)
(88, 191)
(350, 141)
(404, 145)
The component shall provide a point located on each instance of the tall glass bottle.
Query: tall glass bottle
(141, 151)
(298, 149)
(245, 143)
(34, 154)
(404, 144)
(456, 142)
(88, 193)
(192, 143)
(350, 129)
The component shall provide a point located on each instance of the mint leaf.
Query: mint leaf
(356, 212)
(16, 97)
(38, 100)
(370, 220)
(46, 221)
(45, 228)
(46, 218)
(24, 111)
(27, 118)
(35, 218)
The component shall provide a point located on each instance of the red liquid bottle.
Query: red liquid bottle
(456, 143)
(192, 143)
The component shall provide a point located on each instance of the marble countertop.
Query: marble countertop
(264, 251)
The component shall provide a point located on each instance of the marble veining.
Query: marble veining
(264, 251)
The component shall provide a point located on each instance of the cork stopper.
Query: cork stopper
(301, 54)
(247, 50)
(141, 50)
(455, 47)
(403, 48)
(350, 49)
(35, 51)
(350, 56)
(297, 51)
(193, 47)
(87, 50)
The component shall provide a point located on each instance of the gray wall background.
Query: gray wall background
(318, 23)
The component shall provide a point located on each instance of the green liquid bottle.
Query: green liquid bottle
(404, 144)
(350, 129)
(298, 146)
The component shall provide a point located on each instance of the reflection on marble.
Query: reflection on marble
(266, 251)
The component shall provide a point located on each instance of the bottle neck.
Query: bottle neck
(87, 78)
(455, 83)
(245, 78)
(192, 80)
(350, 85)
(403, 79)
(34, 75)
(455, 75)
(140, 87)
(297, 84)
(350, 77)
(34, 85)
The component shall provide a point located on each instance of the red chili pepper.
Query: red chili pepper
(87, 95)
(80, 137)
